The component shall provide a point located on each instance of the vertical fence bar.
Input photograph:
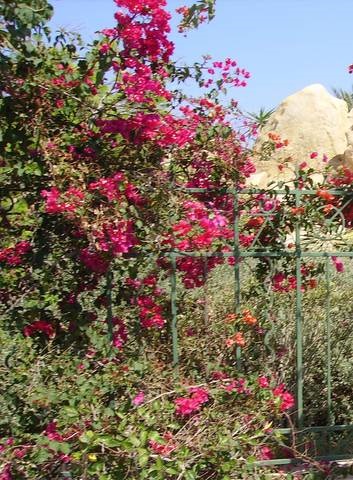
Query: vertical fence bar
(328, 344)
(109, 290)
(328, 351)
(298, 314)
(173, 286)
(205, 292)
(236, 253)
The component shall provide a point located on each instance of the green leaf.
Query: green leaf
(143, 457)
(134, 441)
(65, 448)
(87, 436)
(189, 475)
(108, 440)
(71, 412)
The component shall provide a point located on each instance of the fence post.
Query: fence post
(173, 286)
(236, 253)
(298, 312)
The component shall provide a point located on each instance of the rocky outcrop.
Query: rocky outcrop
(312, 120)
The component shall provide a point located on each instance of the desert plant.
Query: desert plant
(345, 95)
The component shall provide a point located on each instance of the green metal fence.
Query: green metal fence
(328, 439)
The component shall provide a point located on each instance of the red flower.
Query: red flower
(163, 449)
(13, 255)
(325, 195)
(40, 326)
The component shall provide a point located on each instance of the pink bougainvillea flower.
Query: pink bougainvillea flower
(104, 48)
(150, 313)
(13, 256)
(238, 385)
(188, 405)
(263, 382)
(139, 399)
(339, 265)
(286, 398)
(20, 452)
(93, 260)
(5, 473)
(120, 333)
(40, 326)
(282, 282)
(66, 202)
(52, 433)
(287, 401)
(116, 237)
(266, 453)
(164, 449)
(313, 154)
(219, 375)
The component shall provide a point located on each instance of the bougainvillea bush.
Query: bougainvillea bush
(106, 167)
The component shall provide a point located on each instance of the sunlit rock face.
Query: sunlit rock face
(312, 120)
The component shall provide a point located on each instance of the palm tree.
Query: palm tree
(344, 95)
(261, 117)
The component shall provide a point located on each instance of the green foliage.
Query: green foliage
(344, 95)
(261, 117)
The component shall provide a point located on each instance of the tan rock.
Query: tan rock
(312, 120)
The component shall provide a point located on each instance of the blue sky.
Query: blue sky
(285, 44)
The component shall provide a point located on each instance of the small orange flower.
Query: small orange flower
(298, 210)
(328, 208)
(236, 339)
(279, 143)
(274, 136)
(230, 342)
(239, 339)
(249, 318)
(325, 195)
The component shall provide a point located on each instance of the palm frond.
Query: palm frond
(344, 95)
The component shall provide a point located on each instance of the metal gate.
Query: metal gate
(323, 244)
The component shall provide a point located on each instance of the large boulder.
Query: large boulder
(312, 120)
